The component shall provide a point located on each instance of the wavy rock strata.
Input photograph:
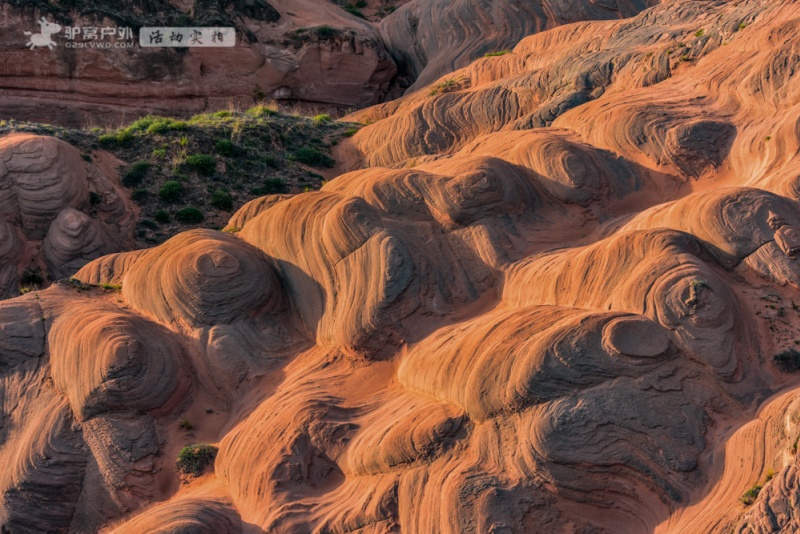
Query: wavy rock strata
(58, 212)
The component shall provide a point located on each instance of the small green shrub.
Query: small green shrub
(136, 174)
(87, 158)
(699, 33)
(272, 186)
(258, 94)
(222, 200)
(261, 111)
(193, 459)
(750, 495)
(140, 196)
(222, 114)
(164, 125)
(314, 157)
(121, 138)
(159, 152)
(270, 161)
(147, 223)
(225, 147)
(385, 11)
(185, 424)
(202, 163)
(171, 191)
(445, 86)
(353, 10)
(190, 215)
(162, 216)
(322, 119)
(326, 32)
(142, 124)
(111, 287)
(351, 132)
(497, 53)
(788, 361)
(32, 276)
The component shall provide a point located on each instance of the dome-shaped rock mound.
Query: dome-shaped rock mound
(40, 176)
(73, 240)
(106, 361)
(196, 516)
(56, 216)
(202, 278)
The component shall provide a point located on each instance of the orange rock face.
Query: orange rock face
(547, 298)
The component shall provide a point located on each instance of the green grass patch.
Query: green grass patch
(261, 111)
(497, 53)
(112, 287)
(445, 86)
(118, 139)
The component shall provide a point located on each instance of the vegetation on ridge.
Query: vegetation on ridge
(200, 170)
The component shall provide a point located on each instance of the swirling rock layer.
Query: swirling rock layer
(432, 38)
(51, 226)
(547, 297)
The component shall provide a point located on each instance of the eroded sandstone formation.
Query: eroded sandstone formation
(58, 212)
